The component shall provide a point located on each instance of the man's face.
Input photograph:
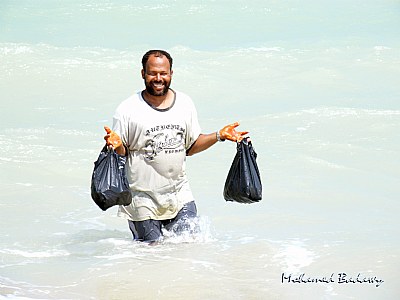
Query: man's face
(157, 76)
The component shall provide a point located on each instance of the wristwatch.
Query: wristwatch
(219, 137)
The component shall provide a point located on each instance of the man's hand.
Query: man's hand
(229, 133)
(112, 139)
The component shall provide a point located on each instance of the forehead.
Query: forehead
(157, 63)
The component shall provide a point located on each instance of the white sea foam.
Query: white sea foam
(294, 255)
(199, 231)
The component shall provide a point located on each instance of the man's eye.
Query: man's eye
(155, 74)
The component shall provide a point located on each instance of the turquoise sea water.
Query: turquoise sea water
(315, 82)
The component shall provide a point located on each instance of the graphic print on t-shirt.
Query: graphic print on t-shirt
(164, 138)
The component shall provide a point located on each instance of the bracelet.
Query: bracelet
(219, 137)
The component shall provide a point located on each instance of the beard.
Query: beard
(151, 90)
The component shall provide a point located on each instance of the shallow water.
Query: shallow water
(320, 99)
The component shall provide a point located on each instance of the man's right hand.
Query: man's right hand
(113, 140)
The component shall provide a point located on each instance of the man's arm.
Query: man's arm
(205, 141)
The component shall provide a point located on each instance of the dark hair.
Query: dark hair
(157, 53)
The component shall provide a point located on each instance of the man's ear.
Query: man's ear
(142, 73)
(172, 72)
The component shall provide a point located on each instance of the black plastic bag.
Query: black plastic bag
(243, 183)
(109, 185)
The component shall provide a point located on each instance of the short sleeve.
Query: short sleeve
(193, 126)
(120, 127)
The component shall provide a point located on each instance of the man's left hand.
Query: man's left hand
(229, 133)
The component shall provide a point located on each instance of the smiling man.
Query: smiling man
(157, 128)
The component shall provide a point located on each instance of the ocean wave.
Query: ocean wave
(259, 49)
(347, 111)
(18, 56)
(36, 254)
(324, 163)
(332, 112)
(15, 49)
(22, 290)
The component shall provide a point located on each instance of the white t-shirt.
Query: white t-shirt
(157, 141)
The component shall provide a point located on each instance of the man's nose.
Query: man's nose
(158, 76)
